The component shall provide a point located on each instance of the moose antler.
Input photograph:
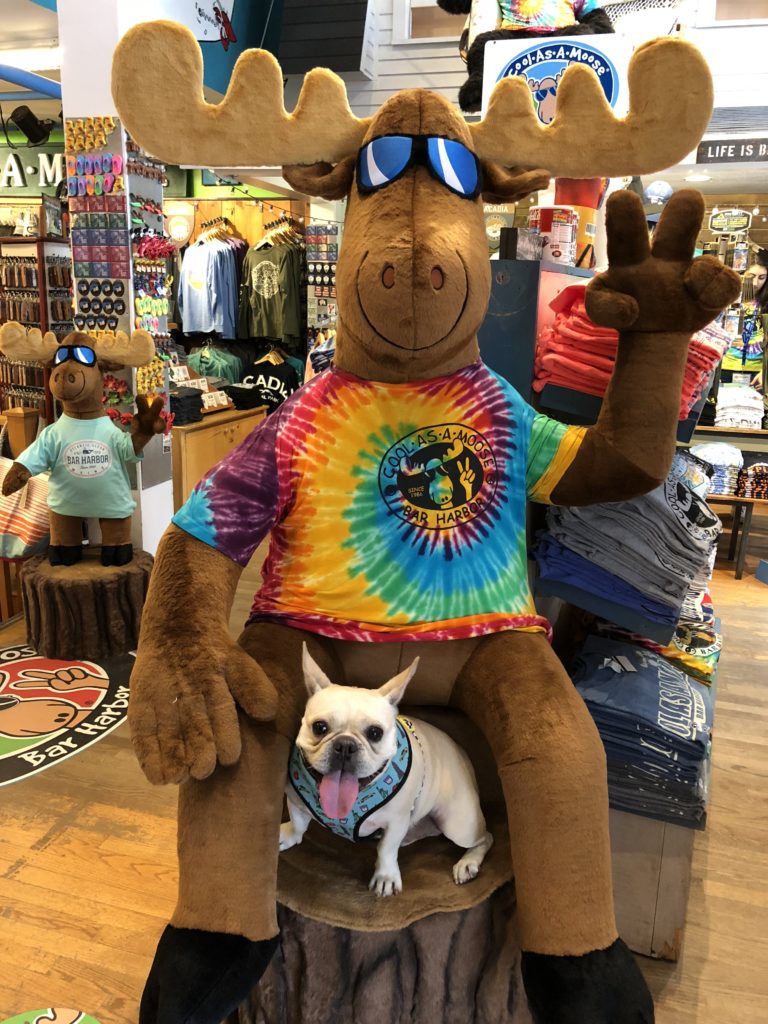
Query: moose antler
(31, 346)
(136, 350)
(670, 103)
(157, 85)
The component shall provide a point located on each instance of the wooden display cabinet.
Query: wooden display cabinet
(198, 447)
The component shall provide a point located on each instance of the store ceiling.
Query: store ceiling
(23, 25)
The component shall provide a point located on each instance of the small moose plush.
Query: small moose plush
(85, 452)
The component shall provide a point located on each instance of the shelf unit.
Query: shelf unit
(39, 249)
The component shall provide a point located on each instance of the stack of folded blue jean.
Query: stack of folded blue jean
(656, 725)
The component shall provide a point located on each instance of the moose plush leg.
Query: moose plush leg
(66, 546)
(116, 547)
(552, 768)
(222, 934)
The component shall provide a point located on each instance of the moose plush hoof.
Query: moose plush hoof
(200, 977)
(604, 987)
(65, 554)
(471, 94)
(116, 554)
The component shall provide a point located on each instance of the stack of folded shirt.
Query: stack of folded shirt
(739, 405)
(656, 725)
(186, 405)
(575, 353)
(753, 481)
(657, 544)
(726, 461)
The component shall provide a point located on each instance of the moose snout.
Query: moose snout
(413, 293)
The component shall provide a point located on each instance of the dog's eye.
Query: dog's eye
(320, 728)
(374, 733)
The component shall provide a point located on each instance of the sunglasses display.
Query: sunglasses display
(79, 353)
(385, 159)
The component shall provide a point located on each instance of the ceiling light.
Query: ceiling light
(698, 176)
(756, 211)
(36, 58)
(715, 210)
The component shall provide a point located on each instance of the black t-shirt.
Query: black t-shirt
(264, 384)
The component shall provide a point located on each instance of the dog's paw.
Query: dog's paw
(466, 869)
(288, 836)
(386, 883)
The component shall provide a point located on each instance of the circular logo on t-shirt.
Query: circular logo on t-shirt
(439, 477)
(265, 279)
(87, 458)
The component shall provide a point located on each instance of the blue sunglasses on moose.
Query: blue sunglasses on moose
(385, 159)
(79, 353)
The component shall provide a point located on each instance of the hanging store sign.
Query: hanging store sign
(732, 151)
(543, 63)
(27, 170)
(730, 221)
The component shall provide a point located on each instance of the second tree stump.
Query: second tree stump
(87, 610)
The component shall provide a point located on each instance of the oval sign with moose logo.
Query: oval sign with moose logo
(50, 710)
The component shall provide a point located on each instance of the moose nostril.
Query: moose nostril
(437, 278)
(71, 378)
(388, 277)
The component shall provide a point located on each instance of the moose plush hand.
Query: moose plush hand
(147, 422)
(16, 477)
(393, 491)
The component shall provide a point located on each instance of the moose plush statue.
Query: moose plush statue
(84, 451)
(372, 554)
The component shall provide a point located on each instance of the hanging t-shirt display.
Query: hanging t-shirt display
(207, 297)
(397, 511)
(270, 294)
(745, 352)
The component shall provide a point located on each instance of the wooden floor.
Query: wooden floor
(87, 858)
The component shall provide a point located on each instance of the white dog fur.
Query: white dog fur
(439, 795)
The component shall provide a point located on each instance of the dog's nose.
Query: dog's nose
(345, 747)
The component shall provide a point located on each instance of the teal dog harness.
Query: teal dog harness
(375, 792)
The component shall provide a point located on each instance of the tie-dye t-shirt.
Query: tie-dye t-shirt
(544, 15)
(396, 511)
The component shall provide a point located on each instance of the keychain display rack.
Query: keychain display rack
(36, 290)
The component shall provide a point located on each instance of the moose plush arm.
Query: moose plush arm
(656, 298)
(187, 680)
(16, 477)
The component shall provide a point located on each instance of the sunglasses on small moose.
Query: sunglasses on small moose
(385, 159)
(80, 353)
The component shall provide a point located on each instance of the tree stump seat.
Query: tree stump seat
(87, 610)
(437, 953)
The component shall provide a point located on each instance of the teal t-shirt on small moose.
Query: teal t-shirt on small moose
(87, 460)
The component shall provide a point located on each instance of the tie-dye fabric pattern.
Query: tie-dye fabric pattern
(544, 15)
(397, 511)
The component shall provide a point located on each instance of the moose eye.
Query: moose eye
(374, 733)
(320, 728)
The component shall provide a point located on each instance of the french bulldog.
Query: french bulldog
(359, 769)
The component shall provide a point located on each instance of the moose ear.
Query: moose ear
(329, 181)
(505, 185)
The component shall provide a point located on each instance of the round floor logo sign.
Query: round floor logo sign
(51, 710)
(52, 1015)
(439, 477)
(543, 65)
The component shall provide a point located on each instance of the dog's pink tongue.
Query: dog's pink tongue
(338, 792)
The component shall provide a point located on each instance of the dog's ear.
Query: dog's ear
(315, 679)
(395, 688)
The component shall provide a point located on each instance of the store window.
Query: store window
(741, 10)
(415, 21)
